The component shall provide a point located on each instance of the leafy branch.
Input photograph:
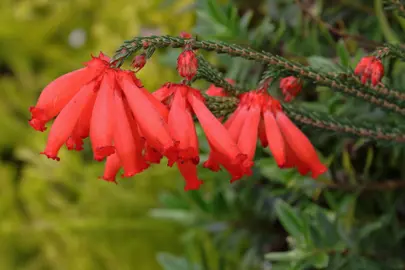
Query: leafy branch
(341, 82)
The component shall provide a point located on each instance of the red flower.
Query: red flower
(370, 68)
(184, 101)
(120, 116)
(260, 115)
(58, 93)
(187, 64)
(290, 87)
(218, 91)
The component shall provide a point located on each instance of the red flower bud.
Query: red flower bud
(187, 64)
(370, 68)
(290, 86)
(138, 62)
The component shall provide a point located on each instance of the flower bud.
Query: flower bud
(187, 64)
(290, 87)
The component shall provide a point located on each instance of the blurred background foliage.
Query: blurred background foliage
(60, 216)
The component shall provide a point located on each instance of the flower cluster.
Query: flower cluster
(259, 115)
(131, 128)
(370, 68)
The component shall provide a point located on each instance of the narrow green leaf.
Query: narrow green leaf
(388, 33)
(344, 55)
(290, 219)
(293, 255)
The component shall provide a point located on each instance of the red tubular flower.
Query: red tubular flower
(82, 127)
(227, 151)
(274, 137)
(125, 141)
(260, 115)
(64, 124)
(58, 93)
(182, 126)
(290, 87)
(187, 64)
(182, 101)
(301, 146)
(150, 122)
(101, 128)
(370, 68)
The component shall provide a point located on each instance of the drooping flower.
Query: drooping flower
(259, 115)
(59, 92)
(290, 87)
(187, 64)
(184, 101)
(370, 68)
(120, 116)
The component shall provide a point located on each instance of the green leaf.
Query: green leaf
(293, 255)
(343, 53)
(320, 260)
(290, 219)
(389, 34)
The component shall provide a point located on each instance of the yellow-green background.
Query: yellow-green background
(58, 215)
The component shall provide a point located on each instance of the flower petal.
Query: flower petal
(189, 171)
(182, 128)
(300, 144)
(248, 135)
(112, 166)
(274, 138)
(123, 138)
(64, 124)
(216, 133)
(58, 93)
(151, 123)
(82, 127)
(101, 128)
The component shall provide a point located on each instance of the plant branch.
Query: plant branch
(211, 74)
(390, 50)
(337, 83)
(327, 122)
(366, 42)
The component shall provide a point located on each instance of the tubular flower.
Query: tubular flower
(59, 92)
(259, 115)
(187, 64)
(370, 68)
(290, 87)
(184, 101)
(110, 108)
